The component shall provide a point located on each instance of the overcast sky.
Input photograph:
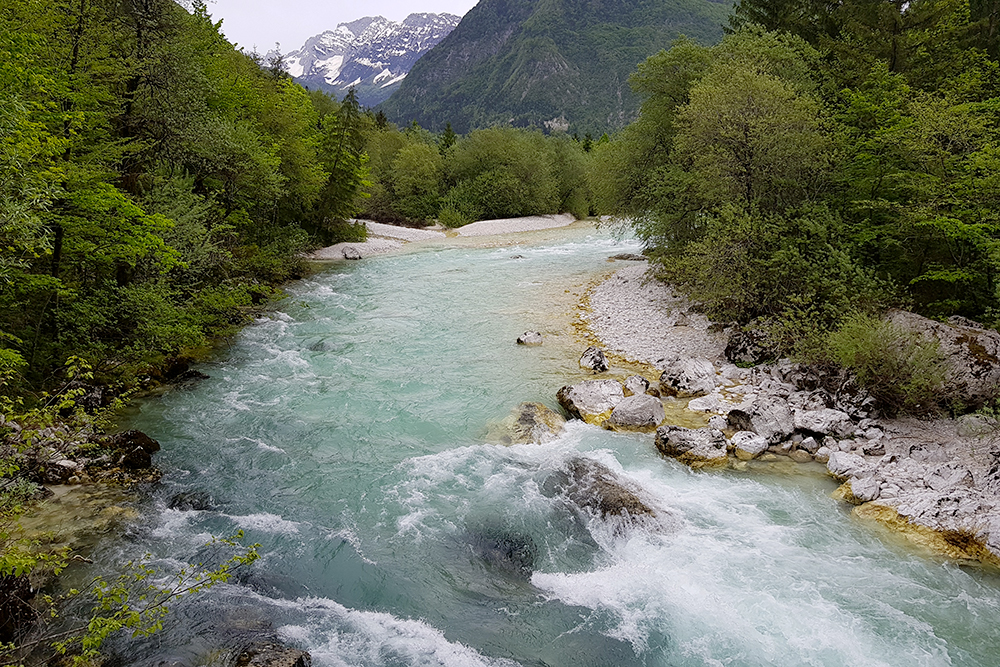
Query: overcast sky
(261, 23)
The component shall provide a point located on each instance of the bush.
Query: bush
(901, 370)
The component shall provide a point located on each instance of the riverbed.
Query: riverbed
(349, 432)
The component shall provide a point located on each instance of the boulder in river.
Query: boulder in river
(531, 423)
(636, 385)
(684, 377)
(187, 501)
(591, 400)
(594, 487)
(271, 654)
(639, 412)
(530, 338)
(696, 447)
(593, 358)
(747, 445)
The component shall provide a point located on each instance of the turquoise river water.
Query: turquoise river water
(349, 433)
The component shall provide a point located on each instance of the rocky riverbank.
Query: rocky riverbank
(937, 481)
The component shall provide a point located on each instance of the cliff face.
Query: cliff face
(557, 64)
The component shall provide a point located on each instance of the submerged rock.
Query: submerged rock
(591, 400)
(593, 358)
(511, 552)
(629, 257)
(639, 412)
(532, 423)
(685, 378)
(187, 501)
(695, 447)
(530, 338)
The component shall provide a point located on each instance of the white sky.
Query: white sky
(261, 23)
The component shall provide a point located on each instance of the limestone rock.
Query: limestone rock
(767, 417)
(636, 384)
(591, 400)
(822, 454)
(530, 338)
(800, 456)
(844, 465)
(534, 423)
(593, 358)
(683, 377)
(350, 252)
(629, 257)
(638, 412)
(507, 551)
(748, 445)
(972, 356)
(128, 440)
(695, 447)
(751, 347)
(824, 422)
(810, 445)
(270, 654)
(187, 501)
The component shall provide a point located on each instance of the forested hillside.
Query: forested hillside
(556, 64)
(821, 164)
(154, 184)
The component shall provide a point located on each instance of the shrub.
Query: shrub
(901, 370)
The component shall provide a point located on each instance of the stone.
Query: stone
(188, 501)
(593, 358)
(591, 400)
(843, 465)
(747, 445)
(977, 426)
(695, 447)
(190, 377)
(876, 448)
(971, 356)
(822, 454)
(350, 252)
(824, 422)
(638, 412)
(534, 423)
(749, 347)
(271, 654)
(800, 456)
(135, 459)
(636, 384)
(768, 417)
(530, 338)
(684, 377)
(864, 489)
(809, 444)
(629, 257)
(594, 487)
(128, 440)
(717, 422)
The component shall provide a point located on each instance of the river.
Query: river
(349, 432)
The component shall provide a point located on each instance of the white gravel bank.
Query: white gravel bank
(373, 246)
(643, 320)
(512, 225)
(401, 233)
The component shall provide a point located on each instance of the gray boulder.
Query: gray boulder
(350, 252)
(695, 447)
(594, 487)
(636, 384)
(684, 377)
(767, 417)
(591, 400)
(629, 257)
(509, 552)
(593, 359)
(747, 445)
(530, 338)
(971, 355)
(825, 421)
(639, 412)
(844, 465)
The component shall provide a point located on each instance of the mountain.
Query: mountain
(556, 64)
(372, 54)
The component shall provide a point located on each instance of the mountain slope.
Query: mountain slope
(372, 54)
(560, 64)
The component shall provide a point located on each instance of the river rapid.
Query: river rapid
(351, 432)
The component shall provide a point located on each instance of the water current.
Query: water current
(349, 432)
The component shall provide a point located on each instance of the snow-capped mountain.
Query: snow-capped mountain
(372, 54)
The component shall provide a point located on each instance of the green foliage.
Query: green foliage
(901, 370)
(559, 61)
